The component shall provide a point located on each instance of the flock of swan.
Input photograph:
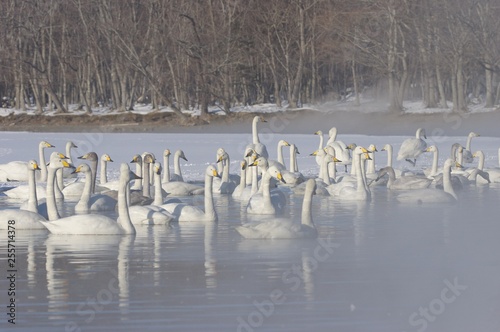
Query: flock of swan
(61, 202)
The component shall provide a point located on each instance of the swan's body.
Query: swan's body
(411, 148)
(267, 202)
(16, 170)
(92, 203)
(408, 182)
(433, 195)
(94, 224)
(185, 212)
(285, 228)
(28, 218)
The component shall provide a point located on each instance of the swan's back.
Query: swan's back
(425, 196)
(411, 148)
(87, 224)
(24, 219)
(276, 229)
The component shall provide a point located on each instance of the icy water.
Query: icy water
(378, 266)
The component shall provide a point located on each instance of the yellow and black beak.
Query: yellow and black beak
(35, 167)
(279, 176)
(215, 174)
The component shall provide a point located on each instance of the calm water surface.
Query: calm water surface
(379, 266)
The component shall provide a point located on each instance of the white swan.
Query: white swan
(281, 143)
(411, 148)
(73, 191)
(177, 176)
(293, 177)
(178, 188)
(318, 154)
(92, 223)
(433, 171)
(256, 144)
(137, 160)
(285, 228)
(152, 214)
(67, 173)
(493, 173)
(342, 152)
(467, 153)
(105, 159)
(185, 212)
(92, 203)
(16, 170)
(409, 182)
(267, 202)
(433, 195)
(29, 218)
(238, 191)
(225, 184)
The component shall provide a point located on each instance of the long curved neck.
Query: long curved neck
(435, 161)
(371, 164)
(363, 173)
(104, 175)
(225, 173)
(209, 198)
(145, 181)
(68, 153)
(280, 154)
(354, 169)
(447, 182)
(43, 164)
(293, 159)
(93, 168)
(323, 171)
(166, 169)
(123, 214)
(460, 158)
(83, 203)
(177, 166)
(255, 180)
(158, 190)
(255, 133)
(266, 190)
(418, 133)
(321, 140)
(52, 212)
(480, 164)
(138, 172)
(468, 143)
(243, 179)
(359, 175)
(307, 209)
(32, 199)
(389, 155)
(60, 179)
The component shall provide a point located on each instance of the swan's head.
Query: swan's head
(157, 168)
(33, 165)
(148, 158)
(83, 168)
(180, 154)
(330, 150)
(275, 173)
(359, 150)
(473, 134)
(372, 148)
(478, 154)
(71, 145)
(261, 161)
(282, 142)
(259, 118)
(386, 147)
(220, 151)
(319, 133)
(223, 156)
(212, 171)
(243, 164)
(431, 148)
(166, 153)
(45, 144)
(57, 162)
(91, 156)
(352, 146)
(294, 148)
(106, 157)
(136, 159)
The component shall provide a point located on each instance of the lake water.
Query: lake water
(377, 266)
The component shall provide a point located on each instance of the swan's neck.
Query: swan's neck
(60, 179)
(209, 199)
(419, 133)
(266, 191)
(145, 179)
(104, 175)
(255, 180)
(468, 143)
(354, 169)
(323, 171)
(83, 203)
(52, 212)
(435, 160)
(499, 157)
(138, 172)
(166, 169)
(32, 199)
(255, 134)
(392, 176)
(333, 137)
(280, 154)
(460, 158)
(363, 173)
(447, 182)
(360, 177)
(158, 190)
(225, 173)
(93, 168)
(68, 153)
(43, 164)
(389, 155)
(321, 139)
(307, 209)
(151, 171)
(177, 166)
(123, 214)
(293, 159)
(371, 164)
(243, 179)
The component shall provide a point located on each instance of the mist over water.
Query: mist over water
(376, 266)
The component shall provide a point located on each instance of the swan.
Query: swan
(435, 159)
(16, 170)
(185, 212)
(370, 163)
(92, 224)
(411, 148)
(105, 158)
(224, 184)
(292, 177)
(67, 173)
(285, 228)
(281, 143)
(73, 191)
(467, 157)
(152, 214)
(137, 160)
(177, 176)
(238, 191)
(28, 218)
(177, 188)
(409, 182)
(348, 190)
(267, 202)
(341, 150)
(493, 173)
(319, 155)
(92, 203)
(256, 144)
(433, 195)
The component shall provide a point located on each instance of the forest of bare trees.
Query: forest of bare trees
(198, 53)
